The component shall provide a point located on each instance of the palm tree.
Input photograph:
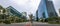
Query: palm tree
(31, 16)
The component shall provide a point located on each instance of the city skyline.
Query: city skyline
(29, 5)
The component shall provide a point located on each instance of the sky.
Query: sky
(29, 6)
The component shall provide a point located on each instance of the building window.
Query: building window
(51, 14)
(49, 0)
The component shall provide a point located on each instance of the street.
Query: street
(28, 23)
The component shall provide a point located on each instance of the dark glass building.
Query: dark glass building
(46, 9)
(37, 15)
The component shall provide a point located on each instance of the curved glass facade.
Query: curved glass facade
(46, 9)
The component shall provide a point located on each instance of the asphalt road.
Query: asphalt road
(28, 24)
(44, 24)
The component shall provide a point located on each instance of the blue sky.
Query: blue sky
(29, 6)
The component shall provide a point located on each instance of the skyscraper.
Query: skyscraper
(59, 11)
(46, 9)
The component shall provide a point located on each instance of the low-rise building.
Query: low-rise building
(13, 11)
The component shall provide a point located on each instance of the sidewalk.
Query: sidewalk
(39, 23)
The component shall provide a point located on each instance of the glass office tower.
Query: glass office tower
(13, 11)
(46, 9)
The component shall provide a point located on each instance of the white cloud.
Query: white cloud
(19, 1)
(57, 5)
(26, 5)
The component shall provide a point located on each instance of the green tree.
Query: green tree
(3, 16)
(1, 7)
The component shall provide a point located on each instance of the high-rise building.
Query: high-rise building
(46, 9)
(59, 11)
(13, 12)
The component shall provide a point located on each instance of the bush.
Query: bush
(41, 20)
(50, 22)
(0, 21)
(18, 21)
(7, 22)
(54, 20)
(46, 20)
